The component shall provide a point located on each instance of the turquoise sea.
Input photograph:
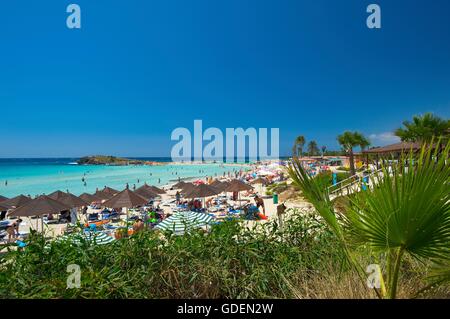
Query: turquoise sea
(43, 176)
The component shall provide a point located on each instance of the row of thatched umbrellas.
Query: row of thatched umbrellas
(23, 206)
(190, 190)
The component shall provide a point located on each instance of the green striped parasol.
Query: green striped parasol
(181, 222)
(96, 238)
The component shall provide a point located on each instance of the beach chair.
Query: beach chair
(93, 217)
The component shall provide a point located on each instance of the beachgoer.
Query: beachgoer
(138, 225)
(13, 229)
(177, 197)
(281, 210)
(260, 203)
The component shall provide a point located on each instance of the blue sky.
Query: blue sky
(139, 69)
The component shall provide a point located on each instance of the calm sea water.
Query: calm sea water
(43, 176)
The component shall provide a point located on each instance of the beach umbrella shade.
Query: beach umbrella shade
(237, 186)
(179, 185)
(157, 189)
(261, 181)
(154, 189)
(220, 185)
(146, 193)
(96, 238)
(38, 207)
(202, 191)
(182, 222)
(110, 191)
(17, 201)
(69, 199)
(89, 198)
(217, 184)
(102, 195)
(187, 187)
(127, 199)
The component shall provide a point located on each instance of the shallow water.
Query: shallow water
(43, 176)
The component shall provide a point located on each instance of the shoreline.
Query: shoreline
(36, 178)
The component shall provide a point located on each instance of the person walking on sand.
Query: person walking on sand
(260, 203)
(13, 229)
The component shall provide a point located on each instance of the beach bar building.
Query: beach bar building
(392, 151)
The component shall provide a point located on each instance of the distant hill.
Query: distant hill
(112, 160)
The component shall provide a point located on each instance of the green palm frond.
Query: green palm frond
(409, 207)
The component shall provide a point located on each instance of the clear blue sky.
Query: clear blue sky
(138, 69)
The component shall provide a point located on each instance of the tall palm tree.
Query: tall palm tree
(350, 140)
(423, 128)
(298, 146)
(405, 212)
(312, 148)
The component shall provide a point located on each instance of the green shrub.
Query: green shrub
(232, 261)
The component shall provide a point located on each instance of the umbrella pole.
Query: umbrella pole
(126, 209)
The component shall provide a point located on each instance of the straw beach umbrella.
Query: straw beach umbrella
(187, 187)
(16, 201)
(110, 191)
(127, 199)
(102, 195)
(182, 222)
(202, 191)
(237, 186)
(3, 208)
(146, 193)
(179, 185)
(261, 181)
(69, 199)
(154, 189)
(38, 207)
(89, 198)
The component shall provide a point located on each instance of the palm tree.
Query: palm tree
(297, 149)
(348, 141)
(406, 212)
(423, 128)
(324, 148)
(312, 148)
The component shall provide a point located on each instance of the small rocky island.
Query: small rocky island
(113, 161)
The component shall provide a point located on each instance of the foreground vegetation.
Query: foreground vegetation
(304, 260)
(404, 214)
